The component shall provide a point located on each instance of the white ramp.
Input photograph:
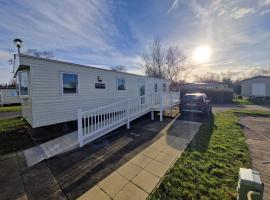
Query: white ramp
(51, 148)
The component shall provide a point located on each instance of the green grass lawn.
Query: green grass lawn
(256, 101)
(243, 101)
(254, 113)
(208, 168)
(11, 124)
(10, 109)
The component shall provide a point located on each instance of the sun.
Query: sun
(201, 54)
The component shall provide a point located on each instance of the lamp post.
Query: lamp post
(18, 43)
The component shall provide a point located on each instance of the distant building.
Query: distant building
(257, 86)
(217, 92)
(8, 95)
(206, 86)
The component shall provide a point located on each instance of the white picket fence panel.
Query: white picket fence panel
(97, 122)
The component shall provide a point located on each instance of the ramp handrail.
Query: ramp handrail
(96, 122)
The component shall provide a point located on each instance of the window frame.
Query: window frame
(117, 87)
(62, 83)
(19, 84)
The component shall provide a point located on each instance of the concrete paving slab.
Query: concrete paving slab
(151, 152)
(113, 184)
(165, 159)
(129, 170)
(141, 160)
(131, 192)
(100, 172)
(115, 162)
(78, 187)
(146, 181)
(173, 151)
(39, 182)
(60, 165)
(156, 168)
(11, 184)
(155, 126)
(69, 176)
(94, 193)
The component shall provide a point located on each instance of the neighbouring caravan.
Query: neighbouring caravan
(257, 86)
(52, 91)
(8, 96)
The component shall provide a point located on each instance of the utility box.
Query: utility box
(249, 180)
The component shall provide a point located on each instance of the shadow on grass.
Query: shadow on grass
(201, 140)
(185, 127)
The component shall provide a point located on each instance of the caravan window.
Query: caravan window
(70, 83)
(155, 87)
(13, 93)
(164, 87)
(121, 84)
(24, 83)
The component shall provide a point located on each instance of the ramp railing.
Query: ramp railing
(97, 122)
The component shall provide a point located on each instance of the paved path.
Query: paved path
(224, 107)
(138, 177)
(257, 131)
(7, 115)
(124, 162)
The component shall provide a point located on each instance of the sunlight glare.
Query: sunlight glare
(202, 54)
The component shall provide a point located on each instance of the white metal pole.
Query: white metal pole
(161, 109)
(127, 113)
(80, 136)
(171, 105)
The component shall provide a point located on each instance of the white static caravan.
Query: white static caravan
(8, 96)
(52, 91)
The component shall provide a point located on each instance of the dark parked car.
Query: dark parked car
(196, 103)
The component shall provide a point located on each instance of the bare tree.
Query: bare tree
(119, 68)
(150, 70)
(175, 62)
(41, 54)
(168, 63)
(154, 62)
(209, 78)
(12, 82)
(157, 55)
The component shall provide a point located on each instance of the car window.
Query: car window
(191, 97)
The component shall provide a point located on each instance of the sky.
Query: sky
(116, 32)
